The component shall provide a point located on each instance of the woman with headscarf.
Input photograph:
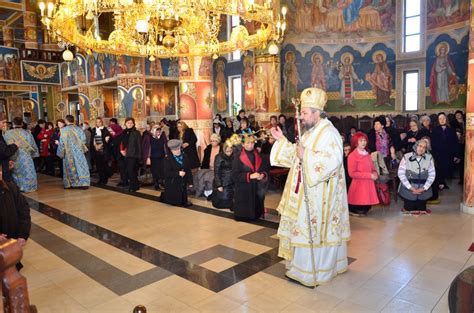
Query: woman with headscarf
(178, 176)
(416, 172)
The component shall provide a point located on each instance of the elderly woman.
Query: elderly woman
(204, 177)
(362, 193)
(414, 134)
(416, 173)
(250, 173)
(178, 176)
(425, 122)
(223, 191)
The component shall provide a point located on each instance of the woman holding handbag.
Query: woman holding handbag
(362, 193)
(417, 173)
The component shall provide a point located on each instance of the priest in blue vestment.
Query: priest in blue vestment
(72, 149)
(24, 172)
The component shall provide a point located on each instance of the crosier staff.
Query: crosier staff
(302, 178)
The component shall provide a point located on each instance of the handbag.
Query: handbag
(383, 193)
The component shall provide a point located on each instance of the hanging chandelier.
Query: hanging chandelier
(165, 28)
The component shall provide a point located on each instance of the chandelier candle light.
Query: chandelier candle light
(165, 28)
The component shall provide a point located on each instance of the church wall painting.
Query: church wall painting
(40, 72)
(324, 21)
(446, 13)
(356, 79)
(9, 64)
(222, 70)
(446, 75)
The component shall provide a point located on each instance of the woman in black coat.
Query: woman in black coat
(178, 176)
(100, 150)
(15, 220)
(223, 191)
(158, 152)
(445, 148)
(131, 152)
(189, 139)
(250, 174)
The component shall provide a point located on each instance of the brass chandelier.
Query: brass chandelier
(166, 28)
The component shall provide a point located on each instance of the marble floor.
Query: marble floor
(107, 250)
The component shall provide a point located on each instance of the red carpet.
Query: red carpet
(471, 248)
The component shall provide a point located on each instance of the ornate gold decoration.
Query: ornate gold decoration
(40, 71)
(165, 28)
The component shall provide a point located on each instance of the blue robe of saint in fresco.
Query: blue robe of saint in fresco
(24, 172)
(71, 149)
(352, 11)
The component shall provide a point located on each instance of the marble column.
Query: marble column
(267, 87)
(195, 86)
(467, 205)
(8, 36)
(30, 22)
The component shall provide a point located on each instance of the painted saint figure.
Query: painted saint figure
(248, 78)
(318, 76)
(443, 79)
(347, 75)
(380, 79)
(221, 87)
(261, 91)
(290, 78)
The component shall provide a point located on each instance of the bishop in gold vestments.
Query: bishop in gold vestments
(322, 177)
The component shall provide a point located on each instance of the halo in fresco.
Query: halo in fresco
(317, 56)
(377, 53)
(441, 45)
(346, 55)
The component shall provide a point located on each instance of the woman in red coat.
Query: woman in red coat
(362, 194)
(45, 139)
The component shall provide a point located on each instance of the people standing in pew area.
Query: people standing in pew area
(100, 139)
(178, 176)
(6, 153)
(414, 134)
(379, 139)
(15, 220)
(131, 154)
(24, 172)
(391, 129)
(417, 173)
(72, 149)
(250, 175)
(223, 191)
(362, 193)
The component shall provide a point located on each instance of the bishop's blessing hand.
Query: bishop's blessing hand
(276, 133)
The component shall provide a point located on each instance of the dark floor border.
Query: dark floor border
(190, 271)
(194, 207)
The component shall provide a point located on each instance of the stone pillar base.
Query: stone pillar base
(467, 209)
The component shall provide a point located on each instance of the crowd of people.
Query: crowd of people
(236, 161)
